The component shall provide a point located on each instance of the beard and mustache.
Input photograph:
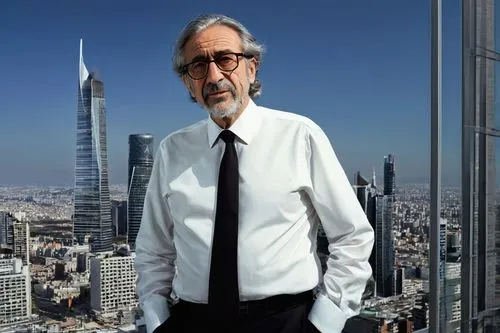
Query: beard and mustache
(217, 108)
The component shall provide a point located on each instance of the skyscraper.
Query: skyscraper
(92, 208)
(140, 165)
(382, 214)
(480, 223)
(119, 217)
(379, 210)
(384, 247)
(485, 74)
(389, 175)
(366, 193)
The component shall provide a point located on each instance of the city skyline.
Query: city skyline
(360, 70)
(144, 96)
(62, 270)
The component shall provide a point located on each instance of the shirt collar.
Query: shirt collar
(245, 127)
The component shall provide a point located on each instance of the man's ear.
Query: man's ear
(252, 66)
(188, 83)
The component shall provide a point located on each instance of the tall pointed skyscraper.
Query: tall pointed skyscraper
(92, 208)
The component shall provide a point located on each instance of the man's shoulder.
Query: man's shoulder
(289, 118)
(185, 134)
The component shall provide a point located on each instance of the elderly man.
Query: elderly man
(228, 235)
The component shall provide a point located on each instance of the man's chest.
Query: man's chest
(270, 185)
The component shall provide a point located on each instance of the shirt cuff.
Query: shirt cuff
(156, 311)
(326, 316)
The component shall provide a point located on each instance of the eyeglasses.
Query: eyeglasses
(226, 62)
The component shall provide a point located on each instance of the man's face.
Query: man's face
(222, 93)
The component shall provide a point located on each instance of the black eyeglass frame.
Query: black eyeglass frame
(184, 69)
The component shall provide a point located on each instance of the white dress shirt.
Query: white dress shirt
(290, 181)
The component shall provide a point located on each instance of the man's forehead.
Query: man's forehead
(213, 39)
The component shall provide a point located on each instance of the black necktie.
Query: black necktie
(223, 294)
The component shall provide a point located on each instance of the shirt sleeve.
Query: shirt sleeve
(155, 251)
(349, 233)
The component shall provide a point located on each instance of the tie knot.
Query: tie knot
(227, 136)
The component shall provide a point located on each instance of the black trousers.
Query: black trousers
(274, 315)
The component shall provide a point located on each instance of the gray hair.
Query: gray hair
(248, 41)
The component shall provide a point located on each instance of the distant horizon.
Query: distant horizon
(379, 184)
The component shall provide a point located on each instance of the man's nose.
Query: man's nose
(214, 74)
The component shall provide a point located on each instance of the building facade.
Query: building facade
(119, 217)
(384, 234)
(140, 165)
(366, 193)
(449, 279)
(420, 311)
(92, 208)
(379, 209)
(14, 236)
(15, 292)
(21, 239)
(112, 284)
(389, 175)
(6, 230)
(451, 291)
(399, 281)
(384, 243)
(480, 270)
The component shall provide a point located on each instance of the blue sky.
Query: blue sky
(360, 69)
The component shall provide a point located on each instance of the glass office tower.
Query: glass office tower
(481, 224)
(92, 208)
